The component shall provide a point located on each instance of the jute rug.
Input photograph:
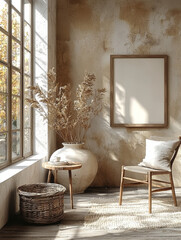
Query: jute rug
(105, 213)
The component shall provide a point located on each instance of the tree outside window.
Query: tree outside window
(15, 76)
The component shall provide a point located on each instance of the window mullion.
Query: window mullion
(16, 40)
(21, 79)
(4, 63)
(16, 10)
(8, 1)
(9, 125)
(4, 31)
(16, 69)
(32, 71)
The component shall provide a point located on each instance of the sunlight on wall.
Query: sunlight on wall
(120, 99)
(40, 70)
(16, 168)
(120, 107)
(122, 27)
(142, 114)
(113, 156)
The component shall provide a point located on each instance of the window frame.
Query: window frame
(10, 68)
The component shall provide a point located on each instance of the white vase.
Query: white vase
(81, 178)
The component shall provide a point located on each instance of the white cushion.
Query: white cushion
(158, 154)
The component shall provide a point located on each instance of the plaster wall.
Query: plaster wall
(88, 32)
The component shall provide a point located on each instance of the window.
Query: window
(15, 76)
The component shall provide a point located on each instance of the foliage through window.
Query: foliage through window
(15, 76)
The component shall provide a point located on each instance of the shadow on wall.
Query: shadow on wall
(127, 33)
(63, 59)
(112, 146)
(11, 202)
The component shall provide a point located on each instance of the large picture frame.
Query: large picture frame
(138, 90)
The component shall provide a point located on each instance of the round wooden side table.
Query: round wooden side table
(57, 166)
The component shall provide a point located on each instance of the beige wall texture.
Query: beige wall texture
(88, 32)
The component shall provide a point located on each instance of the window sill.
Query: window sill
(16, 168)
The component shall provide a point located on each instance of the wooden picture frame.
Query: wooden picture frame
(138, 90)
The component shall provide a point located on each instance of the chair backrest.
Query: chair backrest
(175, 152)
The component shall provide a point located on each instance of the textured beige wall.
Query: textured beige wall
(88, 32)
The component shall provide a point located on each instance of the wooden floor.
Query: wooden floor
(72, 225)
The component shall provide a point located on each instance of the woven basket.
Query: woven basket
(42, 203)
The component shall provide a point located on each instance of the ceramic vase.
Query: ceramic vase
(81, 178)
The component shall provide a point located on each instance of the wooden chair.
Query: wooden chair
(150, 181)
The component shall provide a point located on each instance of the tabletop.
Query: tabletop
(58, 166)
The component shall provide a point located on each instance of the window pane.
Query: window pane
(27, 108)
(27, 141)
(3, 148)
(15, 54)
(15, 82)
(15, 144)
(27, 11)
(27, 36)
(27, 83)
(17, 4)
(3, 78)
(4, 15)
(3, 112)
(15, 112)
(27, 62)
(15, 24)
(3, 47)
(27, 115)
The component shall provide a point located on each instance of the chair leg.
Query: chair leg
(150, 191)
(173, 189)
(121, 185)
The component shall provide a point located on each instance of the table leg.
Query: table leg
(70, 188)
(55, 176)
(49, 176)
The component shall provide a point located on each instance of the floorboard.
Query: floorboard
(71, 227)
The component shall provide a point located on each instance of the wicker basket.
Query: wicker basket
(42, 203)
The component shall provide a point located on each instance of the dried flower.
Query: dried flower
(70, 118)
